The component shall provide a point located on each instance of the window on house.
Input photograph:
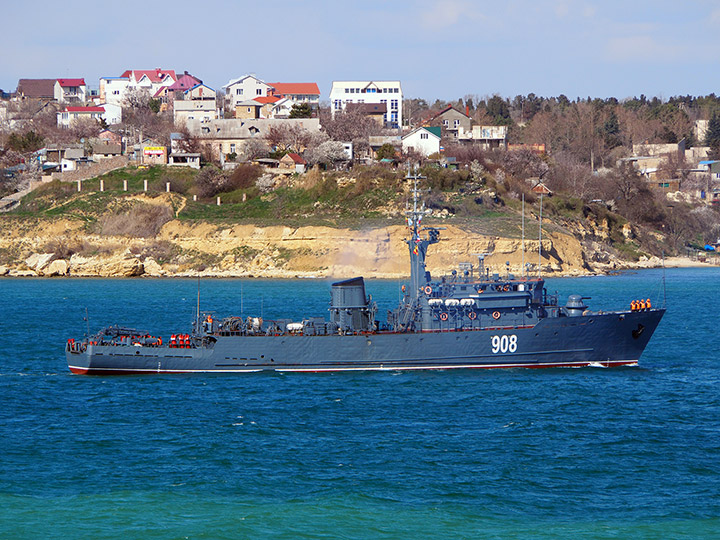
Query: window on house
(456, 124)
(394, 104)
(259, 91)
(238, 91)
(347, 90)
(232, 148)
(446, 123)
(338, 104)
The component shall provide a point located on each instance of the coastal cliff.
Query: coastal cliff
(181, 248)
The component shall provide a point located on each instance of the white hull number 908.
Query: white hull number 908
(503, 344)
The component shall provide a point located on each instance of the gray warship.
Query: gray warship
(467, 319)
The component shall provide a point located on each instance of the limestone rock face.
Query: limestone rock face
(209, 249)
(58, 267)
(38, 261)
(120, 265)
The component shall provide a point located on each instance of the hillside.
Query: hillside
(318, 224)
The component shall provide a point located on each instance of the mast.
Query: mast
(416, 243)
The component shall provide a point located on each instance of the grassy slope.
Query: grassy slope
(375, 198)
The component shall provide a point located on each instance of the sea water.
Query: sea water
(556, 453)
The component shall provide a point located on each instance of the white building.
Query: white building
(112, 114)
(202, 110)
(70, 91)
(421, 140)
(245, 88)
(388, 92)
(114, 89)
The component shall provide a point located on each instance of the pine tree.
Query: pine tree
(712, 137)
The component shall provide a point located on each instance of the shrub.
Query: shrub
(142, 221)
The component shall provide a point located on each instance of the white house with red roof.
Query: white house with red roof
(70, 90)
(250, 87)
(110, 113)
(245, 88)
(115, 89)
(298, 93)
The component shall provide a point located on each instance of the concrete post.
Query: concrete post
(102, 185)
(79, 185)
(124, 185)
(218, 201)
(194, 197)
(145, 185)
(167, 187)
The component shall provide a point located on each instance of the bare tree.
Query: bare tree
(288, 138)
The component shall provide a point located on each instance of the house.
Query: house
(167, 94)
(113, 113)
(42, 89)
(154, 155)
(487, 137)
(114, 89)
(249, 109)
(293, 162)
(102, 149)
(71, 115)
(377, 92)
(73, 158)
(185, 159)
(229, 135)
(677, 149)
(70, 91)
(425, 140)
(539, 187)
(376, 111)
(297, 93)
(110, 136)
(451, 121)
(200, 91)
(195, 109)
(250, 87)
(245, 88)
(376, 141)
(149, 79)
(646, 166)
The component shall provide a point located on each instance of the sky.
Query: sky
(438, 49)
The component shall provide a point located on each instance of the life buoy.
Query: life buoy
(496, 315)
(443, 316)
(472, 315)
(428, 290)
(506, 288)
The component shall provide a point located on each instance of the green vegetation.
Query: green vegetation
(479, 198)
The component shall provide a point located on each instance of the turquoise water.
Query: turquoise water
(560, 453)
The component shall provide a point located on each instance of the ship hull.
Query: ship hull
(607, 339)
